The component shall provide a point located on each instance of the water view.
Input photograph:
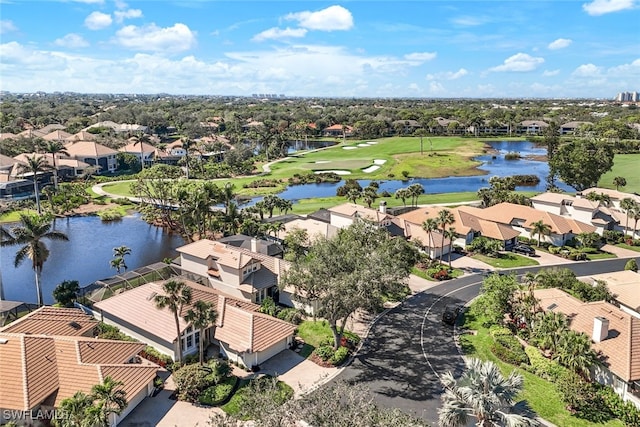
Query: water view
(86, 256)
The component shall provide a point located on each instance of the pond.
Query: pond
(87, 255)
(494, 164)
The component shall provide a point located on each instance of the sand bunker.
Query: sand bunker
(349, 148)
(379, 162)
(371, 142)
(370, 169)
(364, 145)
(337, 172)
(323, 161)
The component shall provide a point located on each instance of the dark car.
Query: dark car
(451, 313)
(524, 250)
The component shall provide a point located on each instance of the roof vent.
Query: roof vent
(3, 340)
(151, 296)
(552, 306)
(75, 325)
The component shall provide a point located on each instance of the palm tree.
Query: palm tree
(574, 352)
(186, 145)
(635, 215)
(484, 393)
(110, 398)
(627, 205)
(141, 140)
(429, 225)
(120, 252)
(118, 264)
(619, 181)
(176, 295)
(201, 316)
(72, 411)
(31, 232)
(445, 218)
(451, 235)
(540, 229)
(548, 327)
(415, 190)
(55, 148)
(227, 196)
(35, 165)
(402, 194)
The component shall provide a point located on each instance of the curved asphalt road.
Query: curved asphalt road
(408, 347)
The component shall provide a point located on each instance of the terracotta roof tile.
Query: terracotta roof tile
(223, 254)
(624, 285)
(54, 321)
(89, 149)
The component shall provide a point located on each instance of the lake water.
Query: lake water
(494, 164)
(86, 256)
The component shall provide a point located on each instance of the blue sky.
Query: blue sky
(518, 48)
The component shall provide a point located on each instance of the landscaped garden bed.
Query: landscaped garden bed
(317, 343)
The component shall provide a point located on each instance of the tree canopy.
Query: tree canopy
(581, 163)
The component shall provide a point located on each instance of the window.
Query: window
(189, 330)
(197, 335)
(189, 341)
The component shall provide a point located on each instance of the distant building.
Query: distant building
(628, 97)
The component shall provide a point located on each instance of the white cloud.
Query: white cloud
(587, 70)
(7, 26)
(121, 15)
(601, 7)
(152, 38)
(449, 75)
(520, 62)
(550, 73)
(470, 21)
(98, 21)
(420, 56)
(436, 88)
(71, 40)
(278, 33)
(330, 19)
(89, 1)
(632, 69)
(559, 44)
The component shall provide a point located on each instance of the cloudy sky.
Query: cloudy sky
(420, 48)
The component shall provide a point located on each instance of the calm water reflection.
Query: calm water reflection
(87, 254)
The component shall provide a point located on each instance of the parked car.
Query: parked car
(524, 250)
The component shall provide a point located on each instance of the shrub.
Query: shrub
(631, 265)
(291, 315)
(324, 352)
(109, 332)
(582, 398)
(190, 381)
(110, 215)
(555, 250)
(67, 292)
(496, 331)
(218, 394)
(339, 356)
(543, 367)
(613, 236)
(441, 275)
(626, 412)
(156, 357)
(508, 349)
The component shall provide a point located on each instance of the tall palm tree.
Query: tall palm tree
(619, 181)
(402, 194)
(141, 140)
(415, 190)
(451, 235)
(429, 225)
(176, 295)
(118, 264)
(187, 144)
(482, 392)
(227, 196)
(120, 252)
(201, 316)
(445, 218)
(110, 398)
(627, 204)
(72, 411)
(635, 215)
(31, 232)
(35, 165)
(55, 148)
(539, 228)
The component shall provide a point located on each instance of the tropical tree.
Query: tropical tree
(121, 252)
(581, 163)
(175, 296)
(430, 225)
(35, 165)
(353, 195)
(539, 228)
(574, 352)
(619, 181)
(402, 194)
(55, 148)
(482, 392)
(588, 240)
(628, 205)
(547, 329)
(451, 235)
(415, 190)
(117, 263)
(110, 398)
(444, 218)
(31, 232)
(187, 144)
(72, 411)
(201, 316)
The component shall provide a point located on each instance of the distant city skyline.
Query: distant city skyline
(438, 49)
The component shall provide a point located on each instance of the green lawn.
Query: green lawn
(14, 216)
(602, 255)
(631, 248)
(316, 333)
(541, 394)
(506, 260)
(626, 166)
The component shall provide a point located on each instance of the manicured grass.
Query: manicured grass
(421, 273)
(539, 393)
(626, 166)
(602, 255)
(350, 165)
(14, 216)
(316, 333)
(506, 260)
(285, 392)
(121, 188)
(631, 248)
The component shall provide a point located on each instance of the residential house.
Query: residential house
(578, 208)
(57, 135)
(242, 333)
(521, 219)
(532, 127)
(93, 154)
(144, 152)
(51, 127)
(338, 130)
(615, 335)
(624, 286)
(261, 246)
(406, 127)
(614, 195)
(12, 187)
(50, 354)
(572, 127)
(67, 167)
(32, 133)
(235, 271)
(119, 128)
(314, 228)
(82, 136)
(342, 216)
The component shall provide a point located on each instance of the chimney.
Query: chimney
(254, 245)
(600, 328)
(383, 206)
